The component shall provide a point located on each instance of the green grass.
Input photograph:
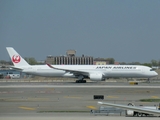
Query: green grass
(150, 100)
(59, 111)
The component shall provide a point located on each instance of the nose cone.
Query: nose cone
(155, 74)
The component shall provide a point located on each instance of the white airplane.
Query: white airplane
(132, 110)
(93, 72)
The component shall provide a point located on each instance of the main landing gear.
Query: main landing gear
(80, 79)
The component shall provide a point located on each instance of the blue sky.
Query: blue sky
(126, 30)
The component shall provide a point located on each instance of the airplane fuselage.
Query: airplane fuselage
(108, 71)
(93, 72)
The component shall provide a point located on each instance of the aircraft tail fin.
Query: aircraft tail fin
(16, 59)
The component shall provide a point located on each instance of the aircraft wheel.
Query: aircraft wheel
(77, 81)
(139, 114)
(80, 81)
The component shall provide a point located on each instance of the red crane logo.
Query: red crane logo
(16, 58)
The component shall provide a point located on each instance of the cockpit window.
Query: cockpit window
(151, 69)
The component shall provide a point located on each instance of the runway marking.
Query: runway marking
(76, 97)
(154, 97)
(35, 99)
(143, 91)
(14, 99)
(91, 107)
(10, 92)
(48, 92)
(26, 108)
(112, 97)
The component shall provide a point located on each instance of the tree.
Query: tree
(147, 64)
(159, 63)
(154, 63)
(122, 63)
(3, 62)
(31, 61)
(111, 60)
(135, 63)
(6, 62)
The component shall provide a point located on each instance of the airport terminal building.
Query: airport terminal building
(70, 59)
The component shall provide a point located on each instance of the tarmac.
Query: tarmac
(69, 100)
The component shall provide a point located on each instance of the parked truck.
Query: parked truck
(13, 75)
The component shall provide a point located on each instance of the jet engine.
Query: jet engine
(138, 114)
(96, 77)
(130, 112)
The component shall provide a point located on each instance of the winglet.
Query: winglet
(49, 65)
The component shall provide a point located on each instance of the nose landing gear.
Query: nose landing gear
(148, 80)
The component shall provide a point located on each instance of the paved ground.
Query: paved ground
(68, 100)
(72, 117)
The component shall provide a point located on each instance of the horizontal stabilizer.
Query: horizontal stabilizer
(15, 68)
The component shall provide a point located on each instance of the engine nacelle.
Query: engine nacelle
(138, 114)
(130, 112)
(96, 77)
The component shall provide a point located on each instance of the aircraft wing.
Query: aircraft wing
(134, 108)
(76, 72)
